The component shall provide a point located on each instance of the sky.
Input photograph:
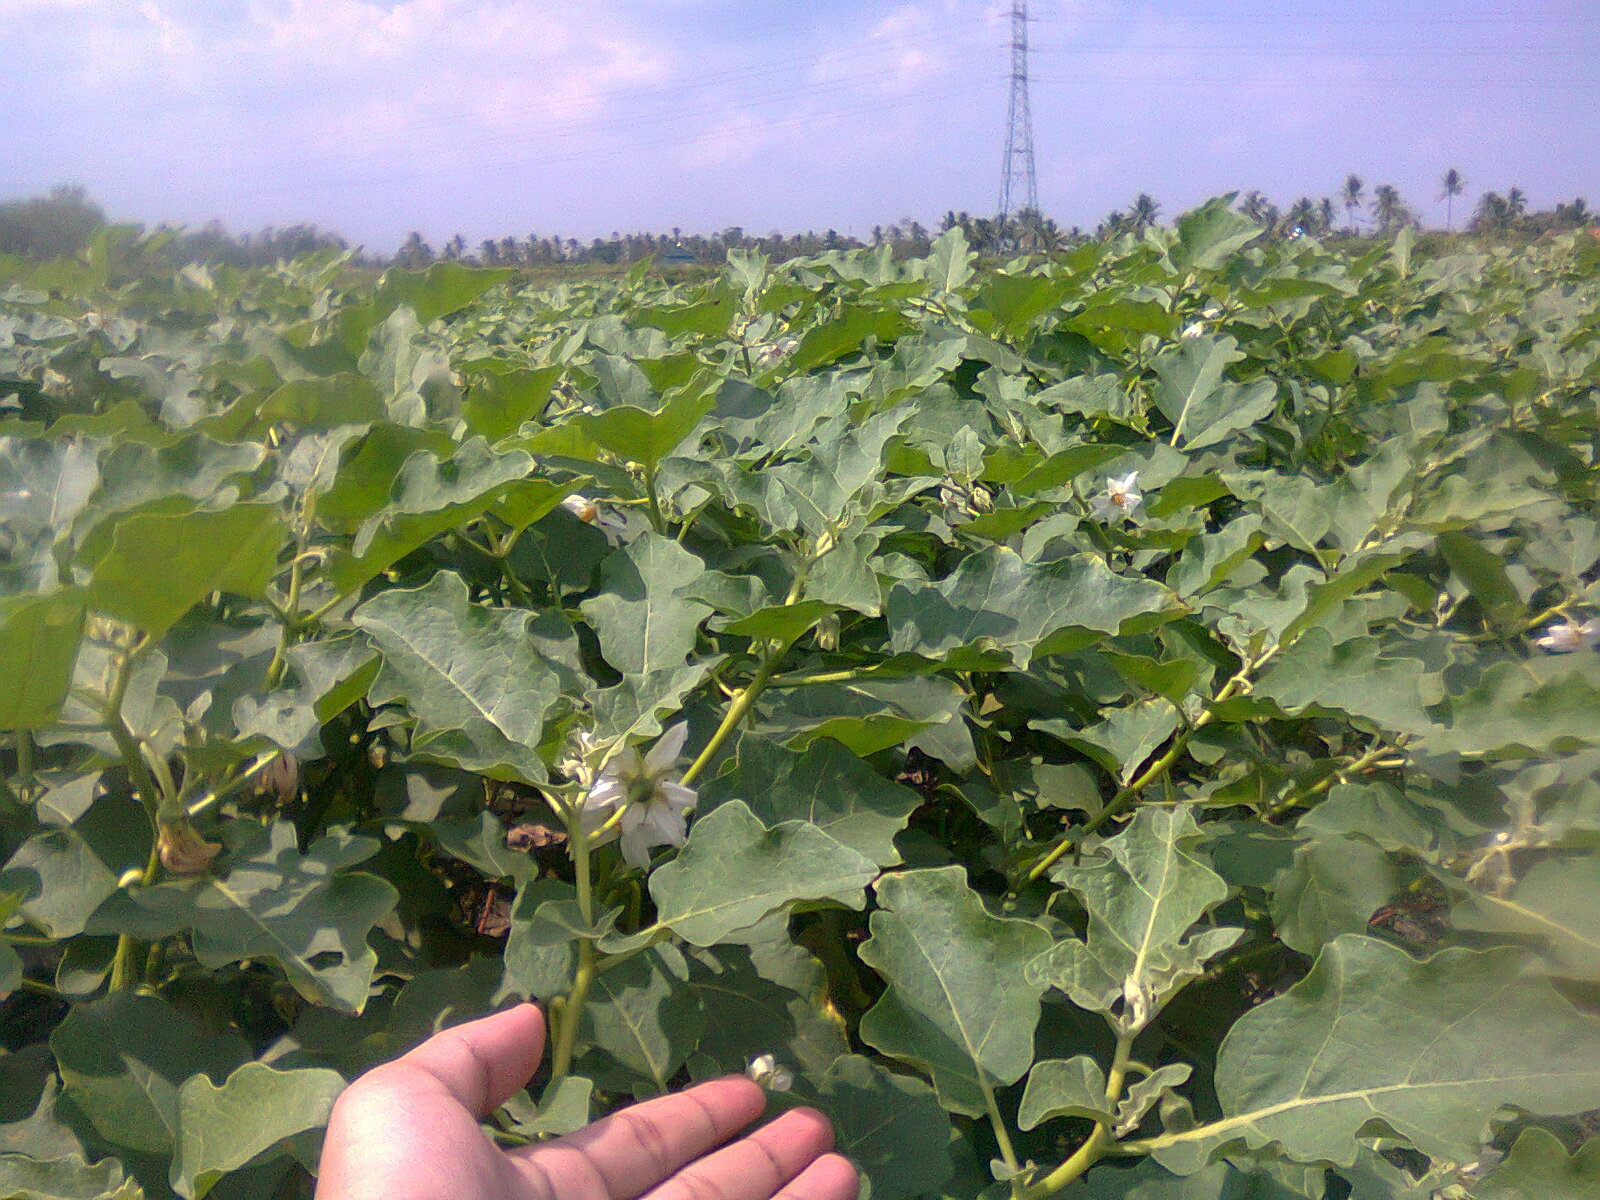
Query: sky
(516, 117)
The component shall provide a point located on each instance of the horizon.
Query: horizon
(371, 120)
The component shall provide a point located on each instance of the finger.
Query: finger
(831, 1177)
(754, 1167)
(631, 1151)
(482, 1063)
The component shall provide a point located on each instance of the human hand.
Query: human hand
(408, 1130)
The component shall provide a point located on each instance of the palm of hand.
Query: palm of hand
(408, 1130)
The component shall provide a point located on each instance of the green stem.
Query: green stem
(1127, 796)
(1002, 1135)
(1098, 1142)
(150, 795)
(24, 747)
(291, 605)
(124, 971)
(742, 703)
(845, 675)
(657, 517)
(583, 978)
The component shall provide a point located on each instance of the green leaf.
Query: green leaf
(59, 880)
(957, 1005)
(1555, 907)
(733, 871)
(889, 1126)
(645, 1015)
(123, 1059)
(1063, 1087)
(1334, 887)
(563, 1109)
(827, 785)
(995, 605)
(38, 648)
(643, 616)
(307, 913)
(323, 402)
(1208, 235)
(500, 400)
(766, 1003)
(430, 498)
(256, 1109)
(472, 675)
(436, 291)
(865, 716)
(1430, 1048)
(1205, 408)
(831, 340)
(24, 1178)
(162, 564)
(1314, 675)
(1539, 1168)
(642, 436)
(950, 261)
(1143, 899)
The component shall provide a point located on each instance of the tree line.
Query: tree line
(60, 223)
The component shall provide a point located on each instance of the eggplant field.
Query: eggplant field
(1120, 724)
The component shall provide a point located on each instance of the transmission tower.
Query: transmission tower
(1017, 182)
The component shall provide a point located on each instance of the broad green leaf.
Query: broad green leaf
(865, 715)
(1555, 907)
(827, 786)
(540, 953)
(643, 616)
(824, 343)
(1208, 235)
(38, 648)
(472, 675)
(766, 1004)
(323, 403)
(563, 1109)
(636, 707)
(1431, 1048)
(889, 1126)
(430, 498)
(644, 1014)
(644, 436)
(957, 1005)
(161, 565)
(24, 1178)
(950, 261)
(1539, 1168)
(733, 871)
(1143, 900)
(308, 914)
(1509, 710)
(499, 401)
(1202, 405)
(1354, 677)
(256, 1108)
(123, 1059)
(1063, 1087)
(995, 605)
(1334, 887)
(59, 880)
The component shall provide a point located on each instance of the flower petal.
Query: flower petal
(664, 754)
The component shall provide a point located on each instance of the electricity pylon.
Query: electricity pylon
(1018, 186)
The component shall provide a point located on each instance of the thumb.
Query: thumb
(482, 1063)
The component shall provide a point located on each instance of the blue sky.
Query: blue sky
(495, 117)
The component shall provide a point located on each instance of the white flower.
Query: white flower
(587, 511)
(652, 807)
(1120, 499)
(1573, 635)
(1194, 329)
(764, 1069)
(772, 352)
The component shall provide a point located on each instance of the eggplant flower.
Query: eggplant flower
(764, 1069)
(1120, 499)
(652, 807)
(1570, 636)
(587, 511)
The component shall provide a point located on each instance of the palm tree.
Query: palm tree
(1493, 214)
(1453, 185)
(1516, 203)
(1259, 209)
(1352, 195)
(1325, 214)
(1302, 216)
(1388, 209)
(1145, 211)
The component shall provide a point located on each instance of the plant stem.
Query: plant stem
(583, 978)
(657, 517)
(1002, 1136)
(150, 795)
(1098, 1142)
(1127, 796)
(292, 602)
(24, 747)
(742, 703)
